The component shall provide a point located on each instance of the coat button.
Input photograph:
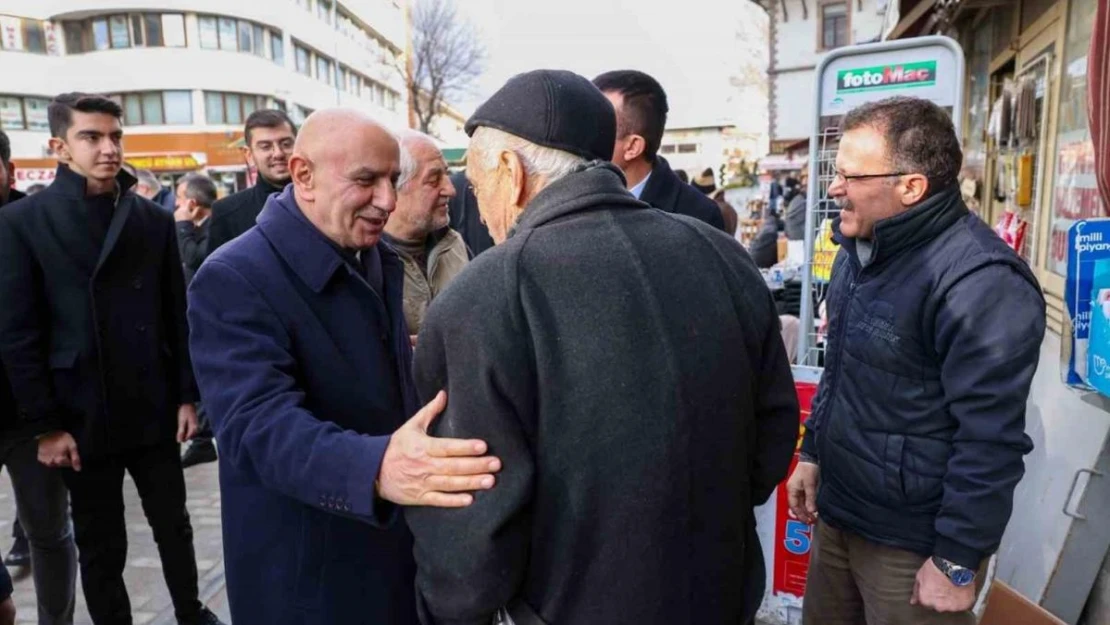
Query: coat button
(137, 283)
(140, 328)
(144, 369)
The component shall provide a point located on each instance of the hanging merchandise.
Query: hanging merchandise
(1024, 194)
(1011, 228)
(1025, 110)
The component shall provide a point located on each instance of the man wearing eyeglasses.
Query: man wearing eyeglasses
(917, 435)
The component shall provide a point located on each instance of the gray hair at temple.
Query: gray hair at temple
(148, 179)
(405, 138)
(200, 189)
(539, 161)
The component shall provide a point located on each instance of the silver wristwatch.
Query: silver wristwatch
(959, 575)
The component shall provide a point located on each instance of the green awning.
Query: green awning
(454, 156)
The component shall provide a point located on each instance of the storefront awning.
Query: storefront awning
(454, 156)
(782, 162)
(167, 162)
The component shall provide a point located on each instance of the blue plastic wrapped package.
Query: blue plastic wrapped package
(1098, 346)
(1088, 247)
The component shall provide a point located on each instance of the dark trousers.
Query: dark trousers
(43, 510)
(96, 493)
(853, 581)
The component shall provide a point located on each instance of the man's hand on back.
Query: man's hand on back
(421, 470)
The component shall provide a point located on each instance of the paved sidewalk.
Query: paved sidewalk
(150, 601)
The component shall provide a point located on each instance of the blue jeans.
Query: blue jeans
(43, 508)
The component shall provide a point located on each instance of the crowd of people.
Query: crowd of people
(549, 389)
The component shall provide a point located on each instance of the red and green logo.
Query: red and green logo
(883, 77)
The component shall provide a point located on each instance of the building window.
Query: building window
(157, 108)
(277, 47)
(1075, 189)
(120, 31)
(687, 148)
(834, 25)
(323, 70)
(230, 108)
(173, 30)
(75, 37)
(33, 38)
(246, 37)
(100, 35)
(11, 113)
(23, 35)
(228, 33)
(209, 35)
(666, 149)
(152, 30)
(303, 56)
(179, 107)
(259, 40)
(323, 9)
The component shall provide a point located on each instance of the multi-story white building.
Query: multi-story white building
(189, 72)
(802, 32)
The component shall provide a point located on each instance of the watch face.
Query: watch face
(962, 577)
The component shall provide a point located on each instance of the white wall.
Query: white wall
(795, 46)
(794, 105)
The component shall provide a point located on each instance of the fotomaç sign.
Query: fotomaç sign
(882, 77)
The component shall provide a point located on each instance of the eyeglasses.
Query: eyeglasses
(848, 177)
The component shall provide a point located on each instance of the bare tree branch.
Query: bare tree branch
(446, 58)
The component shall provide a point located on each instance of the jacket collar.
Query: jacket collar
(597, 184)
(906, 231)
(313, 257)
(661, 190)
(70, 183)
(264, 187)
(14, 195)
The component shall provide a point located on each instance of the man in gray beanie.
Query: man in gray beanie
(624, 363)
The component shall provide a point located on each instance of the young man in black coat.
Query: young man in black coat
(641, 107)
(269, 136)
(95, 342)
(635, 435)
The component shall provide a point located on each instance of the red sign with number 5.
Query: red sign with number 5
(792, 537)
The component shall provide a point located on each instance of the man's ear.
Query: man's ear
(634, 148)
(58, 148)
(303, 176)
(518, 177)
(915, 187)
(248, 156)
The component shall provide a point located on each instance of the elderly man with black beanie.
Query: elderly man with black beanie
(635, 435)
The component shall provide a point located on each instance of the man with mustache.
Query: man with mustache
(916, 439)
(303, 357)
(94, 340)
(419, 228)
(269, 136)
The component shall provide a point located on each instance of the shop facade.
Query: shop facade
(1037, 176)
(170, 156)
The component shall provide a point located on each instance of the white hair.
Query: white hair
(538, 160)
(405, 139)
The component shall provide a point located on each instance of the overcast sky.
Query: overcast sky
(690, 46)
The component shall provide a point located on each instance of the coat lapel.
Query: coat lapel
(119, 218)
